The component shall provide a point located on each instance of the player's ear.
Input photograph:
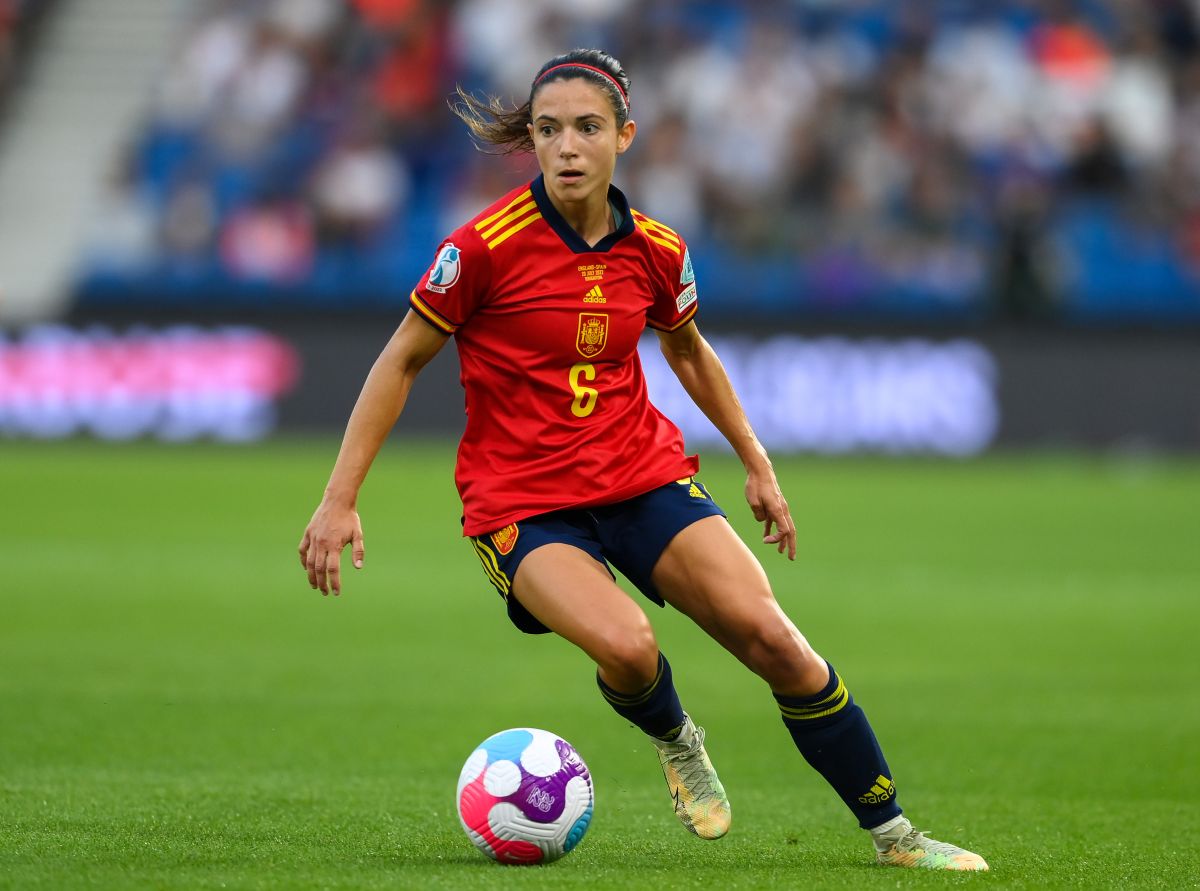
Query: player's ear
(625, 136)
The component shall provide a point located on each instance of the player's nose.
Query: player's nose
(566, 145)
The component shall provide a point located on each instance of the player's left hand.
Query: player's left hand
(771, 509)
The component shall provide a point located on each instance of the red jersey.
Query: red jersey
(547, 330)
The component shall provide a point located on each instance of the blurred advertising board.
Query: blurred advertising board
(954, 395)
(835, 394)
(175, 383)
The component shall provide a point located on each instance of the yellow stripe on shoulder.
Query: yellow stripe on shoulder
(654, 226)
(513, 229)
(667, 244)
(487, 221)
(508, 218)
(657, 232)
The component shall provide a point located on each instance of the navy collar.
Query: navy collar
(570, 237)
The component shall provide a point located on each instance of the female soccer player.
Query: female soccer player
(565, 467)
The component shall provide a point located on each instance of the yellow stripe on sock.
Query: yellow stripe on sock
(832, 703)
(617, 698)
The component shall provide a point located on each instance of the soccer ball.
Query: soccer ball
(525, 796)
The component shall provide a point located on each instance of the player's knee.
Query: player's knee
(778, 653)
(628, 655)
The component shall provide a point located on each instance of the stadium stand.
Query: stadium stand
(945, 160)
(19, 20)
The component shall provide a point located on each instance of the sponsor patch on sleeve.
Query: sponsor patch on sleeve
(447, 269)
(688, 275)
(686, 298)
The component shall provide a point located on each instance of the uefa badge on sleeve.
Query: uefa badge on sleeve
(446, 269)
(688, 275)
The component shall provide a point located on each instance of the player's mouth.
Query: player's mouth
(570, 176)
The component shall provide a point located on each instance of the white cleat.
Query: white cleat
(699, 797)
(902, 845)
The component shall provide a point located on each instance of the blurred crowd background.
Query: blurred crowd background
(17, 19)
(959, 159)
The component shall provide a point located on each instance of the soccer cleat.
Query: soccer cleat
(902, 845)
(699, 797)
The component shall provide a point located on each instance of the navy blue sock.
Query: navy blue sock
(834, 736)
(656, 709)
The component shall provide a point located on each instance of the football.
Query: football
(525, 796)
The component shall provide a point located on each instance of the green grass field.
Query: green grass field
(179, 710)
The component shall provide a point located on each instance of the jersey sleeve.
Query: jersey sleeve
(455, 285)
(675, 301)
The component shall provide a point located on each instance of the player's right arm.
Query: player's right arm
(335, 522)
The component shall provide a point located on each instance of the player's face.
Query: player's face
(576, 139)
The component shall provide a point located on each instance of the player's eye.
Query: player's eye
(547, 130)
(590, 128)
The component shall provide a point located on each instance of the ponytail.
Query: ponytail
(491, 124)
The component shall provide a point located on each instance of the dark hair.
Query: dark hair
(491, 123)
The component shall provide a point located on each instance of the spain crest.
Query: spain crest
(593, 333)
(505, 538)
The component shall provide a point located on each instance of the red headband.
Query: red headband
(600, 71)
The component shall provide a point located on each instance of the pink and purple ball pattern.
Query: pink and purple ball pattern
(525, 796)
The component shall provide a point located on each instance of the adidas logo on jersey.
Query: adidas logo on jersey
(595, 295)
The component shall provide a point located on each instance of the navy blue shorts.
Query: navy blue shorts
(630, 535)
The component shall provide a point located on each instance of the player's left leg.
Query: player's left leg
(709, 574)
(573, 595)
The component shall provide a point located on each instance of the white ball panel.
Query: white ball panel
(578, 798)
(473, 768)
(509, 824)
(502, 778)
(579, 792)
(540, 757)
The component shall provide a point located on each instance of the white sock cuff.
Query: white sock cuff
(889, 825)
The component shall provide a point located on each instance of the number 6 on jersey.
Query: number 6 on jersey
(585, 397)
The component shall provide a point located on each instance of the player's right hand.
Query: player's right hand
(331, 528)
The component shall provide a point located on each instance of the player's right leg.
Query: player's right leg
(568, 591)
(572, 594)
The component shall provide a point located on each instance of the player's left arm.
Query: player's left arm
(703, 376)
